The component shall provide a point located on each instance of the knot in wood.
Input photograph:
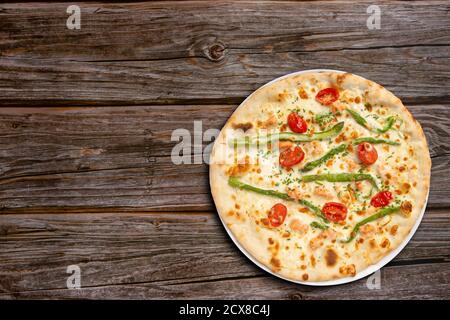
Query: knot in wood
(216, 51)
(296, 296)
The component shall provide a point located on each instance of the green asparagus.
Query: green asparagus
(235, 182)
(330, 154)
(291, 136)
(380, 214)
(363, 122)
(375, 141)
(340, 177)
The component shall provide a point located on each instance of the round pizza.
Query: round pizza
(320, 175)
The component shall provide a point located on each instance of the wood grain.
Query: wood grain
(203, 52)
(85, 171)
(184, 255)
(81, 158)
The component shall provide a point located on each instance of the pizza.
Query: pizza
(320, 175)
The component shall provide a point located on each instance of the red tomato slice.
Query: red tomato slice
(291, 156)
(327, 96)
(335, 211)
(367, 153)
(277, 214)
(297, 123)
(381, 199)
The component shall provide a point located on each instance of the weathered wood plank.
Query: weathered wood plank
(120, 157)
(197, 52)
(428, 281)
(184, 255)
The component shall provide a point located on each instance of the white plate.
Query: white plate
(370, 269)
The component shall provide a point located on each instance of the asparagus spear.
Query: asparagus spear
(361, 121)
(358, 118)
(318, 225)
(330, 154)
(389, 123)
(340, 177)
(291, 136)
(380, 214)
(375, 141)
(235, 182)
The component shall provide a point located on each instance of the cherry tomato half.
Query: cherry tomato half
(277, 214)
(334, 211)
(327, 96)
(367, 153)
(291, 156)
(297, 123)
(381, 199)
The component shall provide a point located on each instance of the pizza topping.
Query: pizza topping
(381, 199)
(375, 141)
(313, 148)
(327, 96)
(291, 136)
(240, 168)
(340, 177)
(367, 231)
(358, 118)
(294, 193)
(367, 153)
(348, 270)
(393, 230)
(327, 156)
(351, 165)
(269, 122)
(317, 242)
(302, 93)
(283, 96)
(380, 214)
(318, 225)
(323, 192)
(291, 157)
(235, 182)
(363, 122)
(277, 214)
(389, 123)
(298, 226)
(406, 208)
(285, 144)
(324, 118)
(335, 211)
(348, 196)
(297, 123)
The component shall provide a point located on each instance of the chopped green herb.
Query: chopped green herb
(324, 118)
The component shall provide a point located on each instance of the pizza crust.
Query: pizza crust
(294, 259)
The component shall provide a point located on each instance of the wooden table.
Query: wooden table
(86, 119)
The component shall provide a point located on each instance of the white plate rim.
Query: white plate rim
(364, 273)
